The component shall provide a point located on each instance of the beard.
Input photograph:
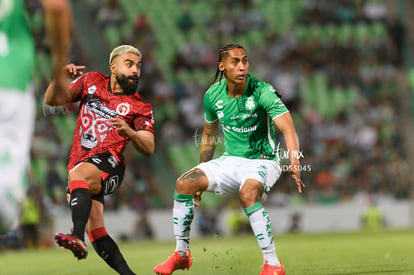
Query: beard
(127, 84)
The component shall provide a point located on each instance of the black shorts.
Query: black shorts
(112, 176)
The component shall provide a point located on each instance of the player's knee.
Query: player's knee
(95, 187)
(181, 185)
(191, 182)
(249, 197)
(246, 199)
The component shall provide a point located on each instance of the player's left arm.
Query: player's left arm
(282, 120)
(143, 140)
(285, 124)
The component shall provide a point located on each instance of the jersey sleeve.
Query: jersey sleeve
(273, 105)
(77, 87)
(145, 121)
(209, 114)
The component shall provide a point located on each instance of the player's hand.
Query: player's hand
(197, 198)
(121, 127)
(74, 71)
(295, 172)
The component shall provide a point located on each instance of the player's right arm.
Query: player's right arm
(59, 24)
(210, 132)
(208, 141)
(55, 94)
(207, 148)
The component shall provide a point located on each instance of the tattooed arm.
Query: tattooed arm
(207, 148)
(208, 141)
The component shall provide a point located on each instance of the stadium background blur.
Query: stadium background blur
(343, 67)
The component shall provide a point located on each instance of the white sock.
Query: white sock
(262, 229)
(182, 217)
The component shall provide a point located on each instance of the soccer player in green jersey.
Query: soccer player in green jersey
(17, 114)
(248, 111)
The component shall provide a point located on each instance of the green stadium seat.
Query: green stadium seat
(39, 168)
(378, 30)
(301, 32)
(344, 33)
(180, 158)
(360, 33)
(330, 31)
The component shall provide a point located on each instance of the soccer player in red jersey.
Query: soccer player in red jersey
(111, 114)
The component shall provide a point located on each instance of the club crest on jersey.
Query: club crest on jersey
(123, 109)
(250, 104)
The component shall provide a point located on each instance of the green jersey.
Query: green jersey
(246, 121)
(17, 49)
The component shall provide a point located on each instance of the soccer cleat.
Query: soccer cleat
(73, 243)
(273, 270)
(174, 262)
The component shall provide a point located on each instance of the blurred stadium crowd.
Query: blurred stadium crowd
(335, 62)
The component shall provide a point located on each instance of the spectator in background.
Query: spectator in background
(53, 183)
(185, 21)
(143, 228)
(372, 218)
(110, 15)
(397, 32)
(295, 225)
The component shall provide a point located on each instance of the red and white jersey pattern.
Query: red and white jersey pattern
(98, 104)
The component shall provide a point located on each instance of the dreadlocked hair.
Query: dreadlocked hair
(224, 51)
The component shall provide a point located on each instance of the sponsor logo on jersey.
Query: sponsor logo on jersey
(96, 106)
(244, 129)
(74, 202)
(123, 109)
(96, 160)
(111, 185)
(113, 161)
(149, 124)
(249, 115)
(94, 127)
(219, 104)
(234, 116)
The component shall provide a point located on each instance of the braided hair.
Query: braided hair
(224, 51)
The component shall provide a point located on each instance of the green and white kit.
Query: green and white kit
(246, 121)
(17, 114)
(250, 143)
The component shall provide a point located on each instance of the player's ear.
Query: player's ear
(112, 68)
(221, 67)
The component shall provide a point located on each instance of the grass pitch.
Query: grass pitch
(387, 252)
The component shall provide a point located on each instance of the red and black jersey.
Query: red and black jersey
(98, 104)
